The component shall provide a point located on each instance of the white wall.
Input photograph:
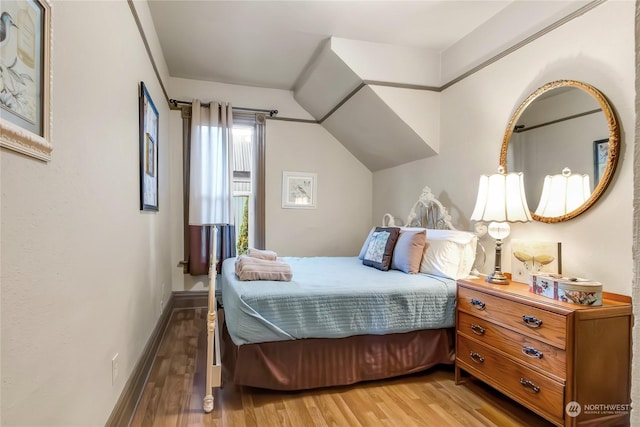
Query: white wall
(419, 109)
(83, 270)
(342, 218)
(475, 113)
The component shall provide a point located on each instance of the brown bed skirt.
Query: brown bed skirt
(323, 362)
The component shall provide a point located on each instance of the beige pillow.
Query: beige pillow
(407, 254)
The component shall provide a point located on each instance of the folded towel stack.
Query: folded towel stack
(262, 265)
(263, 254)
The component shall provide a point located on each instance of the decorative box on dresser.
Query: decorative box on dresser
(547, 354)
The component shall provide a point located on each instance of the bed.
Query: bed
(337, 322)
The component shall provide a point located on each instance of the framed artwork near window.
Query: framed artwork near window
(148, 151)
(600, 157)
(299, 190)
(25, 77)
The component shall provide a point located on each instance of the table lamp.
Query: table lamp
(501, 200)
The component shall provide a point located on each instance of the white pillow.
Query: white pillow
(463, 237)
(449, 253)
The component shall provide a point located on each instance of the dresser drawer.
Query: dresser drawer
(533, 322)
(530, 388)
(529, 351)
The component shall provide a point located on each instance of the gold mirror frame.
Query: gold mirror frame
(614, 143)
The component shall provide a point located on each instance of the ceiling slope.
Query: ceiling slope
(381, 125)
(375, 133)
(325, 82)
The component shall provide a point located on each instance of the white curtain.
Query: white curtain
(210, 194)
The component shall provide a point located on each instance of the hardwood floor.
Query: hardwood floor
(175, 388)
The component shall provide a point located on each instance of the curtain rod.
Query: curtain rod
(272, 113)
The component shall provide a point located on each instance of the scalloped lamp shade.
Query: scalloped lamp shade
(501, 198)
(563, 193)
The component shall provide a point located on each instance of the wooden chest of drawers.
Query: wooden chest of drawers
(570, 364)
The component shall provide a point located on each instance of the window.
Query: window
(248, 181)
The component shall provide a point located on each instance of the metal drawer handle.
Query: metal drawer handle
(532, 352)
(531, 321)
(476, 357)
(476, 303)
(532, 386)
(478, 330)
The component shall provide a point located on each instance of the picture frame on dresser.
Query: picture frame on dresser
(148, 151)
(534, 257)
(25, 96)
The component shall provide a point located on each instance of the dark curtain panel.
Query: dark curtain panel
(186, 170)
(199, 247)
(197, 239)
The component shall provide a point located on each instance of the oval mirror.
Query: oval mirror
(565, 129)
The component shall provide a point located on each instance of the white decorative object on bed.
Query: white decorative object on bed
(339, 321)
(426, 212)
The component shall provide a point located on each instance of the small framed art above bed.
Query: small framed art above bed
(342, 320)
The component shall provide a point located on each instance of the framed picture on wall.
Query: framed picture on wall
(299, 190)
(600, 157)
(25, 94)
(148, 151)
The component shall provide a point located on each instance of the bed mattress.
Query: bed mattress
(334, 297)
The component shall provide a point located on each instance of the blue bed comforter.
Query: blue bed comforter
(334, 297)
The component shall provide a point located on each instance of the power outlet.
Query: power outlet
(115, 369)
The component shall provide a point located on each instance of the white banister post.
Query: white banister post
(211, 321)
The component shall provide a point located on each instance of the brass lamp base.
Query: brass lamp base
(497, 278)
